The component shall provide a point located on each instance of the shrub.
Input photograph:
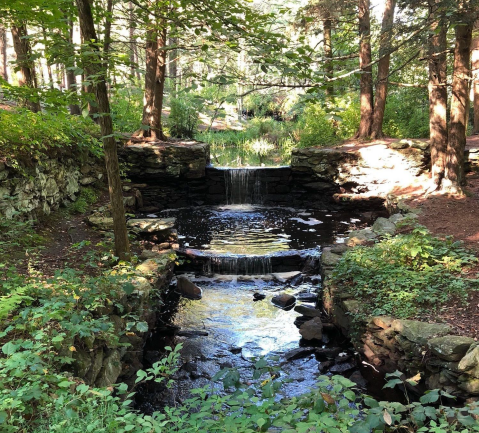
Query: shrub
(184, 116)
(315, 128)
(33, 135)
(127, 109)
(405, 275)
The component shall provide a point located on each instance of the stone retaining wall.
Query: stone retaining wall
(40, 187)
(444, 360)
(102, 363)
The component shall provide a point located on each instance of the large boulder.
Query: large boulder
(450, 347)
(307, 311)
(383, 226)
(420, 332)
(110, 371)
(188, 289)
(470, 362)
(360, 237)
(328, 258)
(312, 329)
(283, 300)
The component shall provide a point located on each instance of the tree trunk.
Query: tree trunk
(122, 246)
(366, 82)
(173, 66)
(438, 133)
(328, 54)
(454, 176)
(383, 69)
(26, 73)
(475, 74)
(150, 83)
(160, 84)
(3, 54)
(131, 31)
(70, 74)
(108, 22)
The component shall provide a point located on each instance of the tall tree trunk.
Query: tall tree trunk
(70, 73)
(475, 75)
(454, 175)
(383, 69)
(122, 245)
(108, 23)
(157, 126)
(438, 133)
(173, 65)
(26, 73)
(131, 31)
(3, 54)
(328, 54)
(150, 82)
(366, 82)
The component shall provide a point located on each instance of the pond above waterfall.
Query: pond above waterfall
(258, 230)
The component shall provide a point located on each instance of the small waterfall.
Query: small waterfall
(243, 186)
(238, 265)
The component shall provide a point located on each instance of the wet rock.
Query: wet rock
(300, 352)
(307, 297)
(192, 334)
(420, 332)
(283, 277)
(358, 379)
(258, 296)
(187, 289)
(450, 347)
(226, 364)
(152, 356)
(342, 368)
(324, 366)
(297, 280)
(151, 225)
(312, 329)
(283, 300)
(323, 353)
(307, 311)
(383, 226)
(343, 357)
(190, 367)
(300, 320)
(235, 350)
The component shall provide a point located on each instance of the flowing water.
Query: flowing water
(238, 254)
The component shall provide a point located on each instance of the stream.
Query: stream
(242, 255)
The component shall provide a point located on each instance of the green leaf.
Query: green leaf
(142, 326)
(9, 348)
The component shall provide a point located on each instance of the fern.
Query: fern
(10, 302)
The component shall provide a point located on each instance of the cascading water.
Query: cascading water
(238, 265)
(243, 186)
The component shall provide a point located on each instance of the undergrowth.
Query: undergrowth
(406, 275)
(87, 197)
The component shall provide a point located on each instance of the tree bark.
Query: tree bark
(26, 73)
(3, 54)
(133, 48)
(70, 73)
(454, 175)
(150, 83)
(328, 54)
(108, 23)
(173, 66)
(475, 74)
(122, 246)
(366, 82)
(160, 83)
(438, 132)
(383, 69)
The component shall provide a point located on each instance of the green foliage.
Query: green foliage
(33, 135)
(405, 275)
(429, 414)
(15, 233)
(407, 114)
(126, 108)
(316, 129)
(87, 197)
(184, 116)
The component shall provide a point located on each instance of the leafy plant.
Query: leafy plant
(184, 115)
(405, 275)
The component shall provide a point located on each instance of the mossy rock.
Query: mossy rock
(450, 347)
(420, 332)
